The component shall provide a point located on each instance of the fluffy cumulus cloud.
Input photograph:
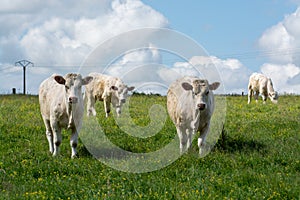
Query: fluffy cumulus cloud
(145, 69)
(281, 44)
(137, 66)
(285, 78)
(60, 34)
(67, 39)
(231, 73)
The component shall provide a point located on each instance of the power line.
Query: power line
(5, 68)
(263, 54)
(243, 55)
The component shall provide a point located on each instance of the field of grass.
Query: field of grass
(256, 157)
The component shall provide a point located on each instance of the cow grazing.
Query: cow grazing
(261, 84)
(61, 106)
(190, 103)
(107, 89)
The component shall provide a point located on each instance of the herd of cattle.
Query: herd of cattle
(190, 104)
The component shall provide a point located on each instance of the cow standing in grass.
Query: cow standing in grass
(61, 105)
(190, 103)
(110, 90)
(261, 84)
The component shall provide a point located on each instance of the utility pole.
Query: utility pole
(24, 64)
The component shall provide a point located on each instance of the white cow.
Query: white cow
(107, 89)
(190, 103)
(261, 84)
(61, 105)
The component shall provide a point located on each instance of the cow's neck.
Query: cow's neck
(195, 122)
(70, 114)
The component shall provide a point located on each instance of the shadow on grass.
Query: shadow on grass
(229, 144)
(84, 152)
(104, 153)
(226, 143)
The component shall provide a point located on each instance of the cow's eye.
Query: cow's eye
(207, 92)
(67, 87)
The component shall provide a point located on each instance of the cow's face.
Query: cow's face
(200, 92)
(120, 94)
(73, 84)
(273, 97)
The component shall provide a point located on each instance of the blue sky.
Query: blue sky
(225, 28)
(241, 37)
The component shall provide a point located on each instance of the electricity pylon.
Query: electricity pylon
(24, 64)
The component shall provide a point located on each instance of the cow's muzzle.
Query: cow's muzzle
(123, 101)
(73, 100)
(201, 106)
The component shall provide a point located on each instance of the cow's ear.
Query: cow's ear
(114, 87)
(60, 79)
(87, 80)
(214, 86)
(130, 88)
(187, 86)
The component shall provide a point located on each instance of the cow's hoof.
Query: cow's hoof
(74, 156)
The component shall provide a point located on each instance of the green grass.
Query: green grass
(256, 157)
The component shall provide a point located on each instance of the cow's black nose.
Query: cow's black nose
(201, 106)
(73, 99)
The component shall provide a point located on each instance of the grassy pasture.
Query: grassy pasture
(256, 157)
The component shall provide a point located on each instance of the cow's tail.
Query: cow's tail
(270, 85)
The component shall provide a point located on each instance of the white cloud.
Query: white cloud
(144, 69)
(132, 62)
(17, 6)
(232, 74)
(295, 80)
(276, 41)
(140, 68)
(56, 34)
(62, 33)
(66, 41)
(284, 77)
(281, 44)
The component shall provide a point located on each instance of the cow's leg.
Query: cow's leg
(201, 140)
(182, 138)
(106, 107)
(264, 94)
(264, 98)
(49, 135)
(118, 110)
(91, 111)
(57, 138)
(256, 96)
(189, 133)
(74, 142)
(250, 94)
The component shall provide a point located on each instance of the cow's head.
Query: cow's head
(73, 84)
(119, 96)
(273, 97)
(201, 90)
